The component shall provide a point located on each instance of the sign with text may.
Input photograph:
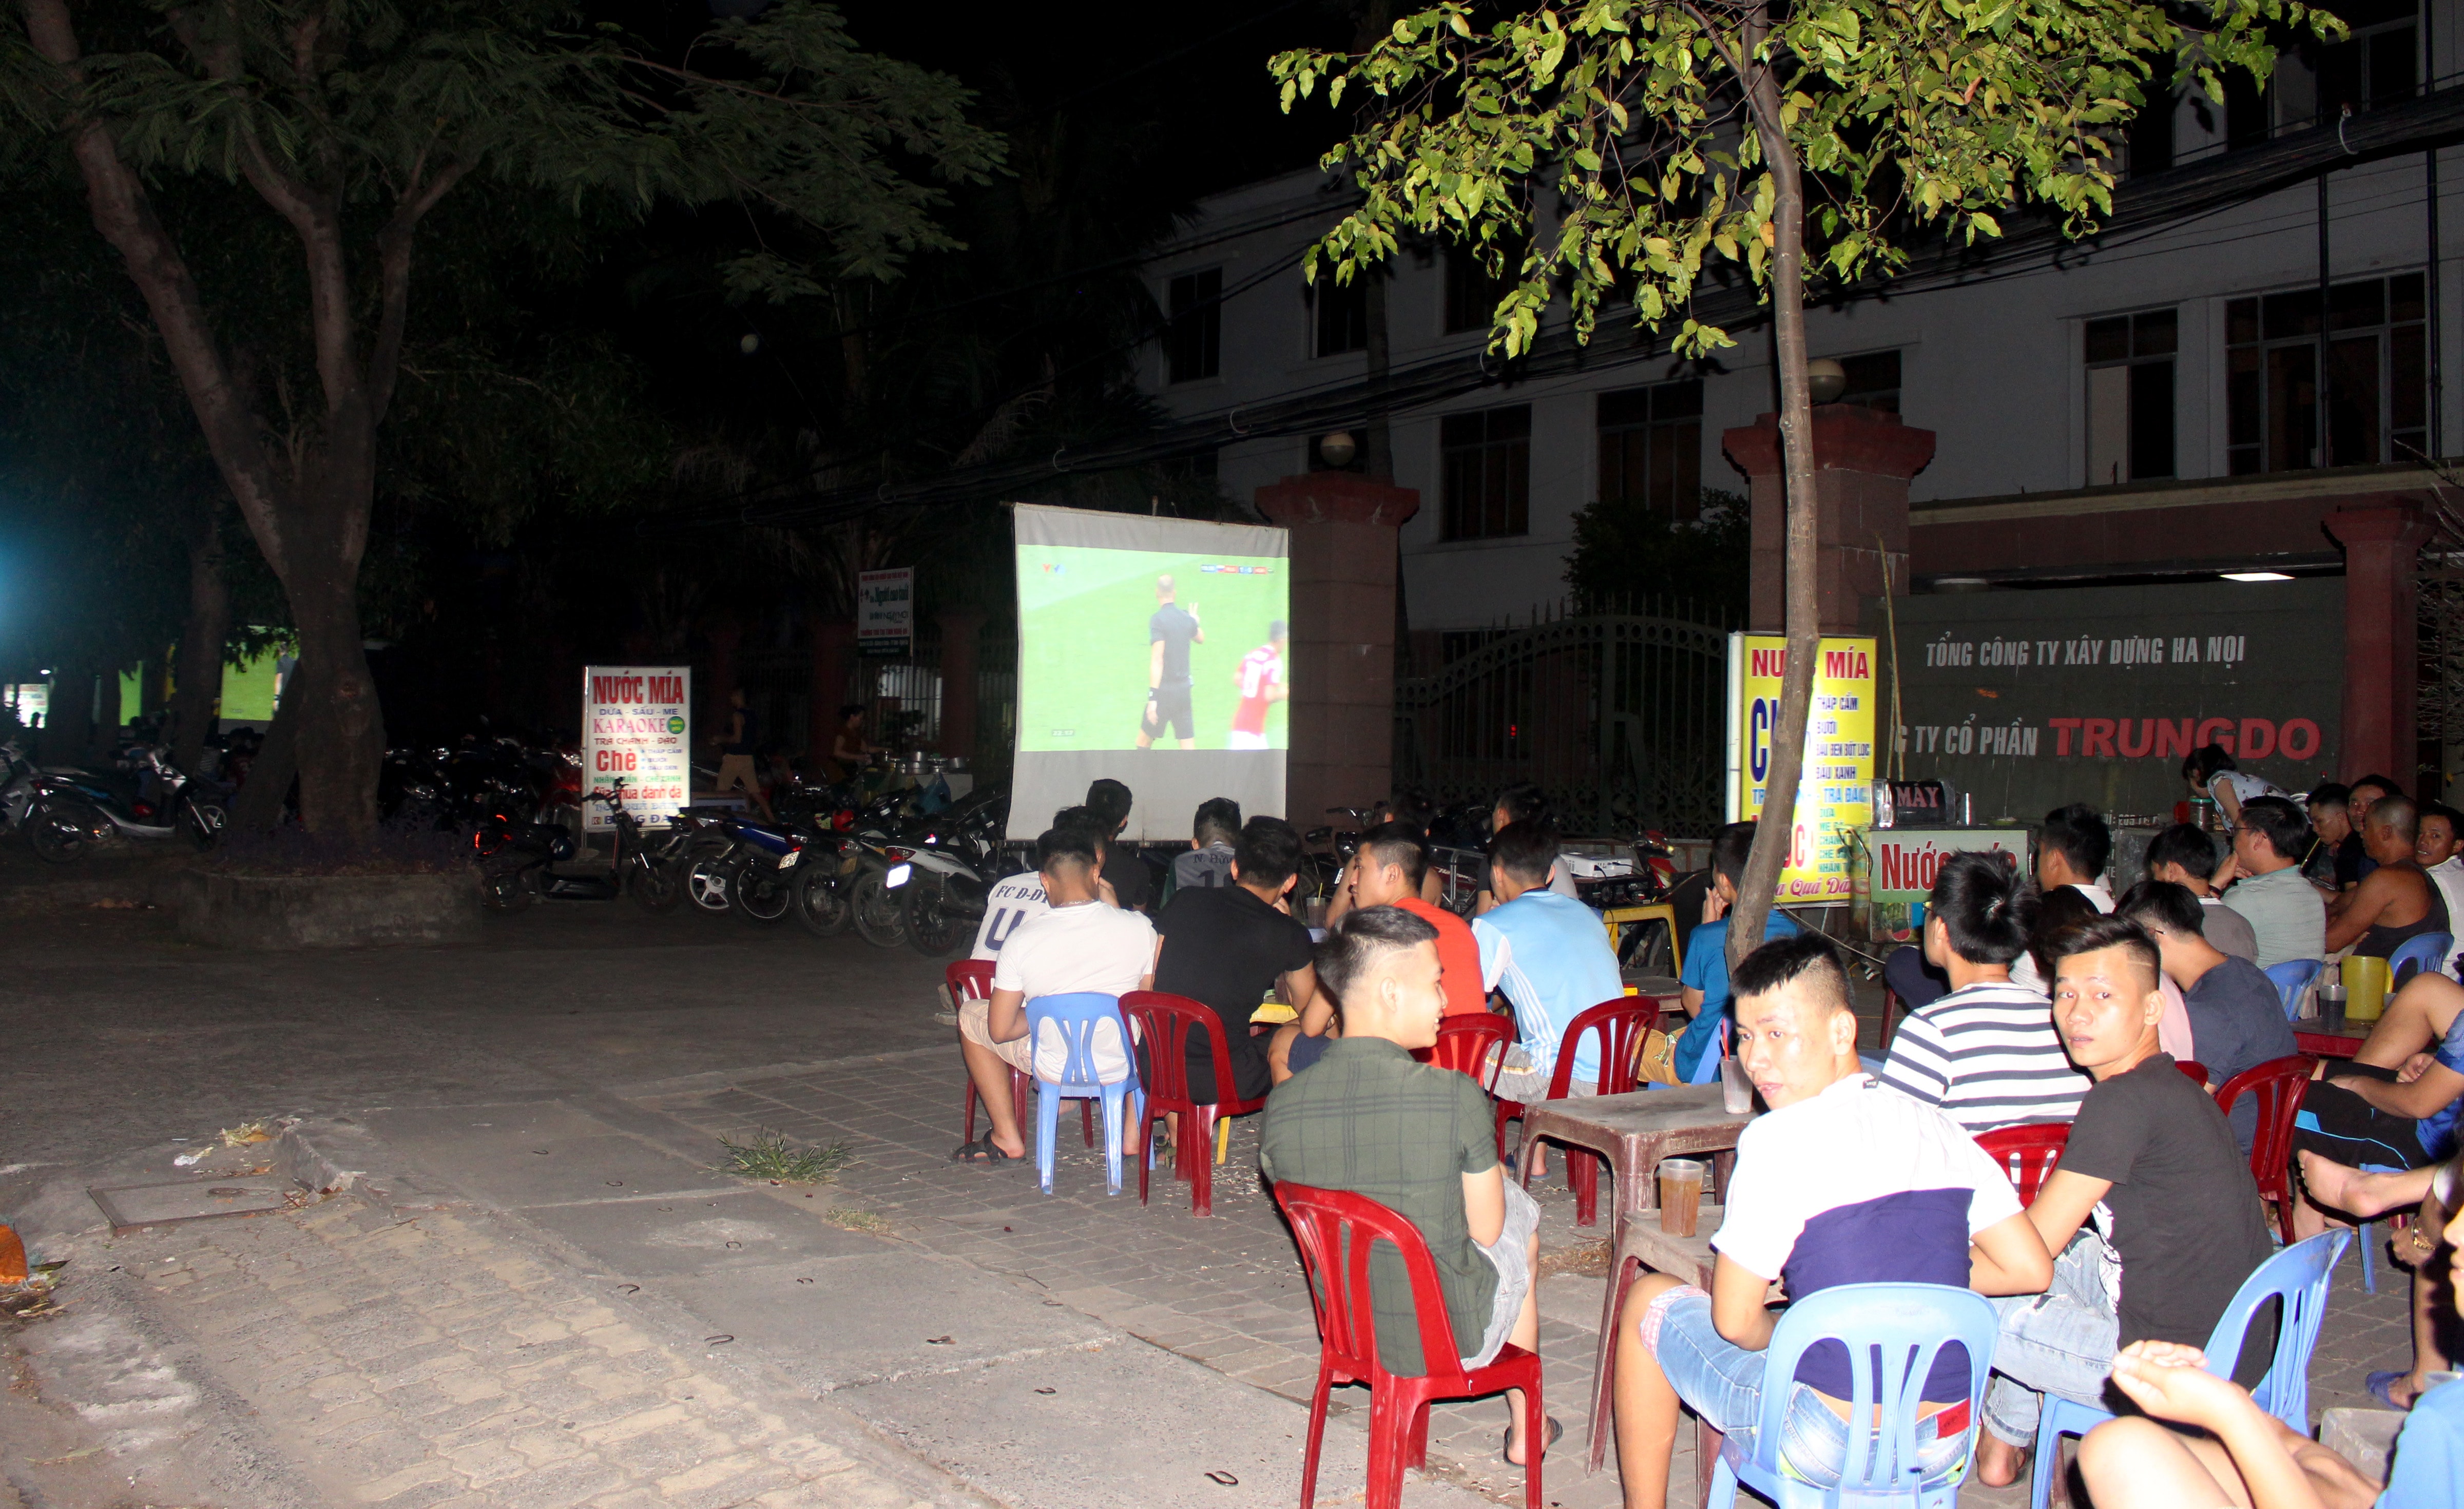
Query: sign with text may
(885, 611)
(2029, 700)
(1835, 795)
(637, 728)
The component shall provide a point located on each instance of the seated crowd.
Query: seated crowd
(2040, 1000)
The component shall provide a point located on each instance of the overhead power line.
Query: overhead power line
(2142, 209)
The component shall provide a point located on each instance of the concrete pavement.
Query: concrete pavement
(541, 1251)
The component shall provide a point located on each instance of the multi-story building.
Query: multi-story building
(2140, 406)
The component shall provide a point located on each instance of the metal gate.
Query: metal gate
(1619, 717)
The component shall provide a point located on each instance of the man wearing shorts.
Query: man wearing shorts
(1418, 1140)
(1170, 632)
(1076, 943)
(2395, 1103)
(1261, 680)
(1842, 1182)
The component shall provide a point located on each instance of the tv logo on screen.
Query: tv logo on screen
(1052, 568)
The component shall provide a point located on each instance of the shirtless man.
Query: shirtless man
(2396, 901)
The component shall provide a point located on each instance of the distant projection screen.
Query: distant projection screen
(1165, 630)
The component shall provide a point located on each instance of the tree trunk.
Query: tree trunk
(200, 666)
(1775, 832)
(259, 808)
(68, 727)
(340, 727)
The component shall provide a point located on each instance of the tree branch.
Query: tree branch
(125, 217)
(393, 281)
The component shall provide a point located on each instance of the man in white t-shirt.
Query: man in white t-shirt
(1077, 944)
(2438, 848)
(1013, 901)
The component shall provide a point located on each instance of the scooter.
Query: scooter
(72, 812)
(942, 896)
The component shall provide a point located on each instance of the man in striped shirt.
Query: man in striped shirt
(1986, 1053)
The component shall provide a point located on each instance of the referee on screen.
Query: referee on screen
(1170, 633)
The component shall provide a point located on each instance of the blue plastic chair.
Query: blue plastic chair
(2299, 1275)
(2292, 977)
(2426, 953)
(1078, 1017)
(1893, 1332)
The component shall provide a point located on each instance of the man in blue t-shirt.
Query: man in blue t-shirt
(2394, 1105)
(1549, 954)
(1704, 979)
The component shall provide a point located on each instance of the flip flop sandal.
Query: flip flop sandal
(1556, 1431)
(2381, 1387)
(981, 1154)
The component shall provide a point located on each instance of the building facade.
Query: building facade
(2137, 407)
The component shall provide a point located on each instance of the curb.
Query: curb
(329, 1154)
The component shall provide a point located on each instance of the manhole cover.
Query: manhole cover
(130, 1206)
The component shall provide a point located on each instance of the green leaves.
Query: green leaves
(1619, 127)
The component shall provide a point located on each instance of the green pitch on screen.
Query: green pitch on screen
(1083, 643)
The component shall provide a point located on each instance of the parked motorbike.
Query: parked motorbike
(147, 799)
(950, 859)
(519, 861)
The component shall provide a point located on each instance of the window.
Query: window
(2147, 146)
(1651, 447)
(2130, 397)
(1472, 293)
(1485, 466)
(2377, 398)
(1193, 345)
(1873, 381)
(2377, 64)
(1342, 315)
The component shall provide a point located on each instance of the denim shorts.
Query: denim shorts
(1723, 1382)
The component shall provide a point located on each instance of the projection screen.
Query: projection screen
(1152, 651)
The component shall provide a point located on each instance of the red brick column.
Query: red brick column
(722, 638)
(1862, 462)
(959, 629)
(833, 646)
(2381, 537)
(1342, 635)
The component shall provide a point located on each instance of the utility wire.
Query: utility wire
(2143, 208)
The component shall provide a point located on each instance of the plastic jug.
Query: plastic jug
(2365, 985)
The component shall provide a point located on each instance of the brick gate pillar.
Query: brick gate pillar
(833, 643)
(1862, 464)
(959, 629)
(1342, 635)
(722, 639)
(2382, 536)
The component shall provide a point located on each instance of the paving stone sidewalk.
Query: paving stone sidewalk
(1227, 1290)
(422, 1359)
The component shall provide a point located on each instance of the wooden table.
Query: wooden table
(1642, 1244)
(1633, 1132)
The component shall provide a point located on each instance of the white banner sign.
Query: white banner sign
(637, 728)
(885, 611)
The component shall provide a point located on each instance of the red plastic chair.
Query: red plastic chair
(1336, 1231)
(2279, 1083)
(1473, 1043)
(1163, 1022)
(2026, 1154)
(1620, 1023)
(972, 980)
(2197, 1071)
(2326, 1044)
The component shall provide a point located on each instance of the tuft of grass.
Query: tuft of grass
(770, 1157)
(857, 1220)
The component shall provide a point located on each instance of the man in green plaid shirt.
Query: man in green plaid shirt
(1419, 1140)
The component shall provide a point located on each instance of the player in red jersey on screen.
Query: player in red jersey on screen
(1261, 680)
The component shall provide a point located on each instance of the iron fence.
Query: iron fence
(1620, 717)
